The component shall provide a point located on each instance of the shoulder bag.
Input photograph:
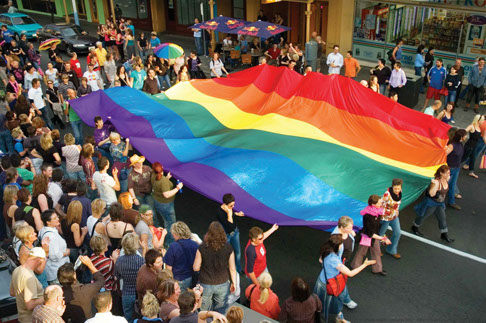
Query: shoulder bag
(336, 285)
(247, 303)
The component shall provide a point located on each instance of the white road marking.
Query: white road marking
(443, 247)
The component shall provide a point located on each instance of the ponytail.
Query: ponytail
(158, 169)
(265, 281)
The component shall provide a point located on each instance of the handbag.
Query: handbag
(444, 91)
(336, 285)
(247, 303)
(482, 164)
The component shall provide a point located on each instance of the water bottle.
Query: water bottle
(178, 181)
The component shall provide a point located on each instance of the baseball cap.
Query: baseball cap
(37, 252)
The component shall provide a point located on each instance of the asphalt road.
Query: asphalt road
(427, 285)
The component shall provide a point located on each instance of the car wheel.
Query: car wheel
(17, 38)
(69, 50)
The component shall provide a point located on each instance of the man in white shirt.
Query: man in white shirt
(37, 101)
(103, 303)
(106, 184)
(335, 61)
(55, 189)
(93, 78)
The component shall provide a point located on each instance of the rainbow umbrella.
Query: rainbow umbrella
(168, 51)
(46, 44)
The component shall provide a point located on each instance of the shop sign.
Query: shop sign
(470, 5)
(478, 41)
(476, 20)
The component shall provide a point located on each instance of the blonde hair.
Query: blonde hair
(181, 230)
(130, 243)
(150, 305)
(235, 314)
(114, 136)
(476, 119)
(265, 281)
(23, 233)
(98, 244)
(23, 118)
(9, 193)
(16, 132)
(46, 141)
(74, 212)
(97, 206)
(69, 139)
(344, 221)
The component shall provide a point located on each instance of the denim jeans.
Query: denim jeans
(6, 139)
(199, 45)
(440, 214)
(452, 185)
(128, 303)
(185, 284)
(478, 152)
(37, 163)
(451, 97)
(234, 240)
(78, 131)
(383, 89)
(215, 297)
(418, 72)
(164, 79)
(148, 200)
(167, 212)
(76, 175)
(395, 225)
(45, 117)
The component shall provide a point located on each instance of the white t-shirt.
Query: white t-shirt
(105, 183)
(55, 192)
(36, 96)
(52, 76)
(92, 80)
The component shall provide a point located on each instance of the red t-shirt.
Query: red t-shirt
(76, 67)
(256, 259)
(274, 53)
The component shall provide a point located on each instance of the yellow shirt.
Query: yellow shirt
(101, 54)
(26, 287)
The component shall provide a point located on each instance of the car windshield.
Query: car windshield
(71, 31)
(23, 21)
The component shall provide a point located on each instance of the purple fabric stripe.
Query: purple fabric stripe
(194, 175)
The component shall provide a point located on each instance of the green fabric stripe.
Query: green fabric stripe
(335, 165)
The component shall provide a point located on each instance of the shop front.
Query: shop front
(455, 31)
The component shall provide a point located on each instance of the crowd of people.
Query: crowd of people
(90, 224)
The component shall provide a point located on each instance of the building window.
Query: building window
(132, 9)
(40, 5)
(188, 10)
(239, 9)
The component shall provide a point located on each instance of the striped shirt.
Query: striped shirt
(106, 266)
(127, 268)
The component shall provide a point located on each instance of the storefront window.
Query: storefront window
(132, 9)
(40, 5)
(187, 10)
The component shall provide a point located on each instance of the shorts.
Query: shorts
(433, 93)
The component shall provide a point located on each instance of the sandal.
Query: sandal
(458, 196)
(473, 175)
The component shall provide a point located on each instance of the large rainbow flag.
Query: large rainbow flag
(293, 150)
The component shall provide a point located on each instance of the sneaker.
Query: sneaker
(452, 121)
(455, 206)
(351, 304)
(340, 318)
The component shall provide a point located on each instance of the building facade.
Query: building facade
(455, 29)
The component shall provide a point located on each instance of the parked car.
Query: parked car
(19, 23)
(8, 307)
(73, 38)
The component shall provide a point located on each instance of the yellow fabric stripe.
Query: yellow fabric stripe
(232, 117)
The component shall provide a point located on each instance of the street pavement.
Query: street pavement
(428, 284)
